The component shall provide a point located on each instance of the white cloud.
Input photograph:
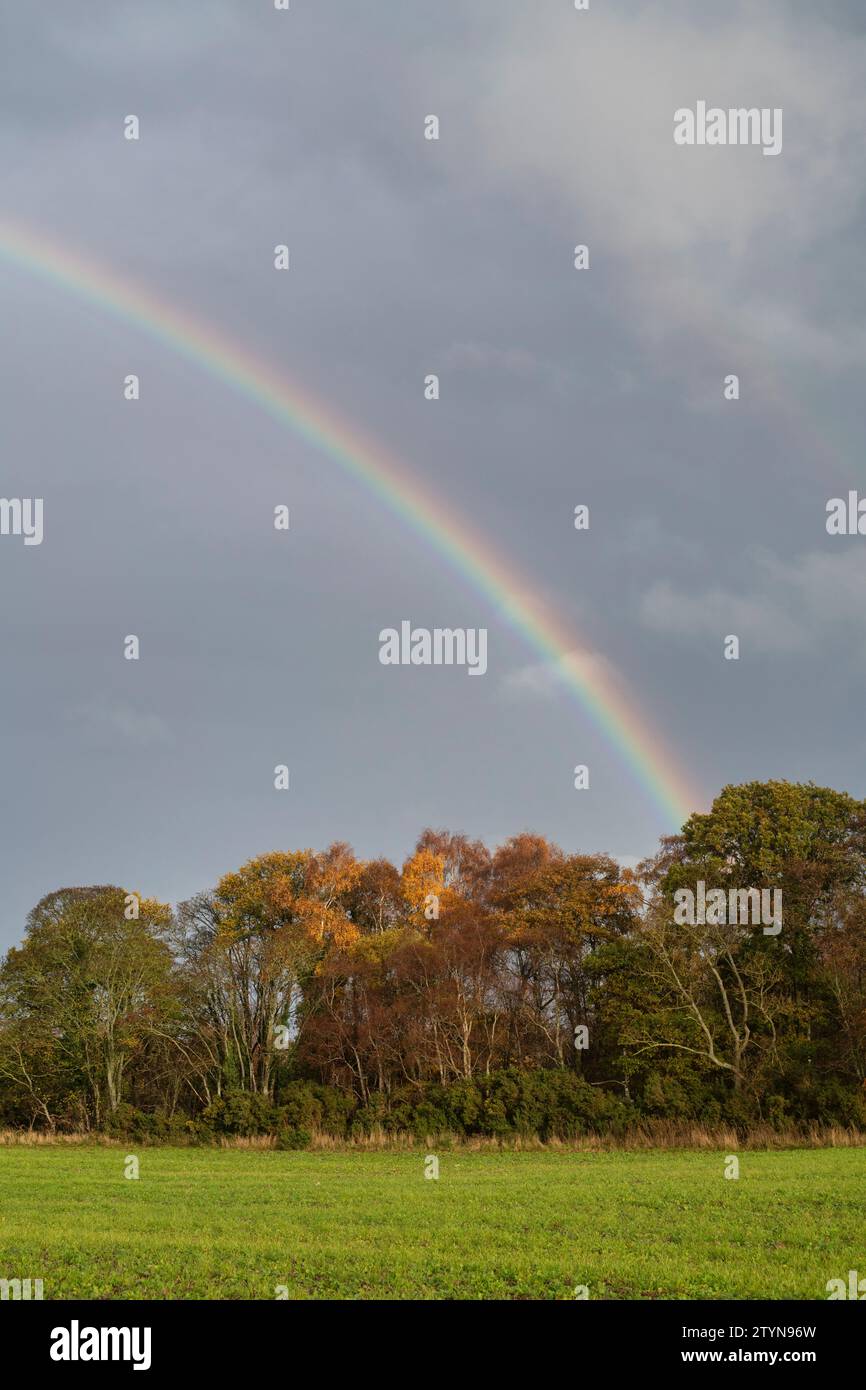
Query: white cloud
(542, 680)
(793, 606)
(716, 614)
(539, 681)
(106, 723)
(708, 239)
(485, 357)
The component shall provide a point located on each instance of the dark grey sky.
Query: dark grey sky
(408, 257)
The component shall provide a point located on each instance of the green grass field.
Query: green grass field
(205, 1223)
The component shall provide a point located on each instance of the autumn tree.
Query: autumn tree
(374, 901)
(557, 911)
(395, 984)
(246, 949)
(422, 883)
(842, 959)
(466, 863)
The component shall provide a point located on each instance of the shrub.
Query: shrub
(241, 1113)
(293, 1137)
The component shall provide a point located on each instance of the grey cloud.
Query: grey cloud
(106, 723)
(602, 388)
(793, 607)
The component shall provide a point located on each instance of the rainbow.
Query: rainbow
(471, 556)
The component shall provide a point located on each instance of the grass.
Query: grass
(235, 1224)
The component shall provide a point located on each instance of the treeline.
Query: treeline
(519, 991)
